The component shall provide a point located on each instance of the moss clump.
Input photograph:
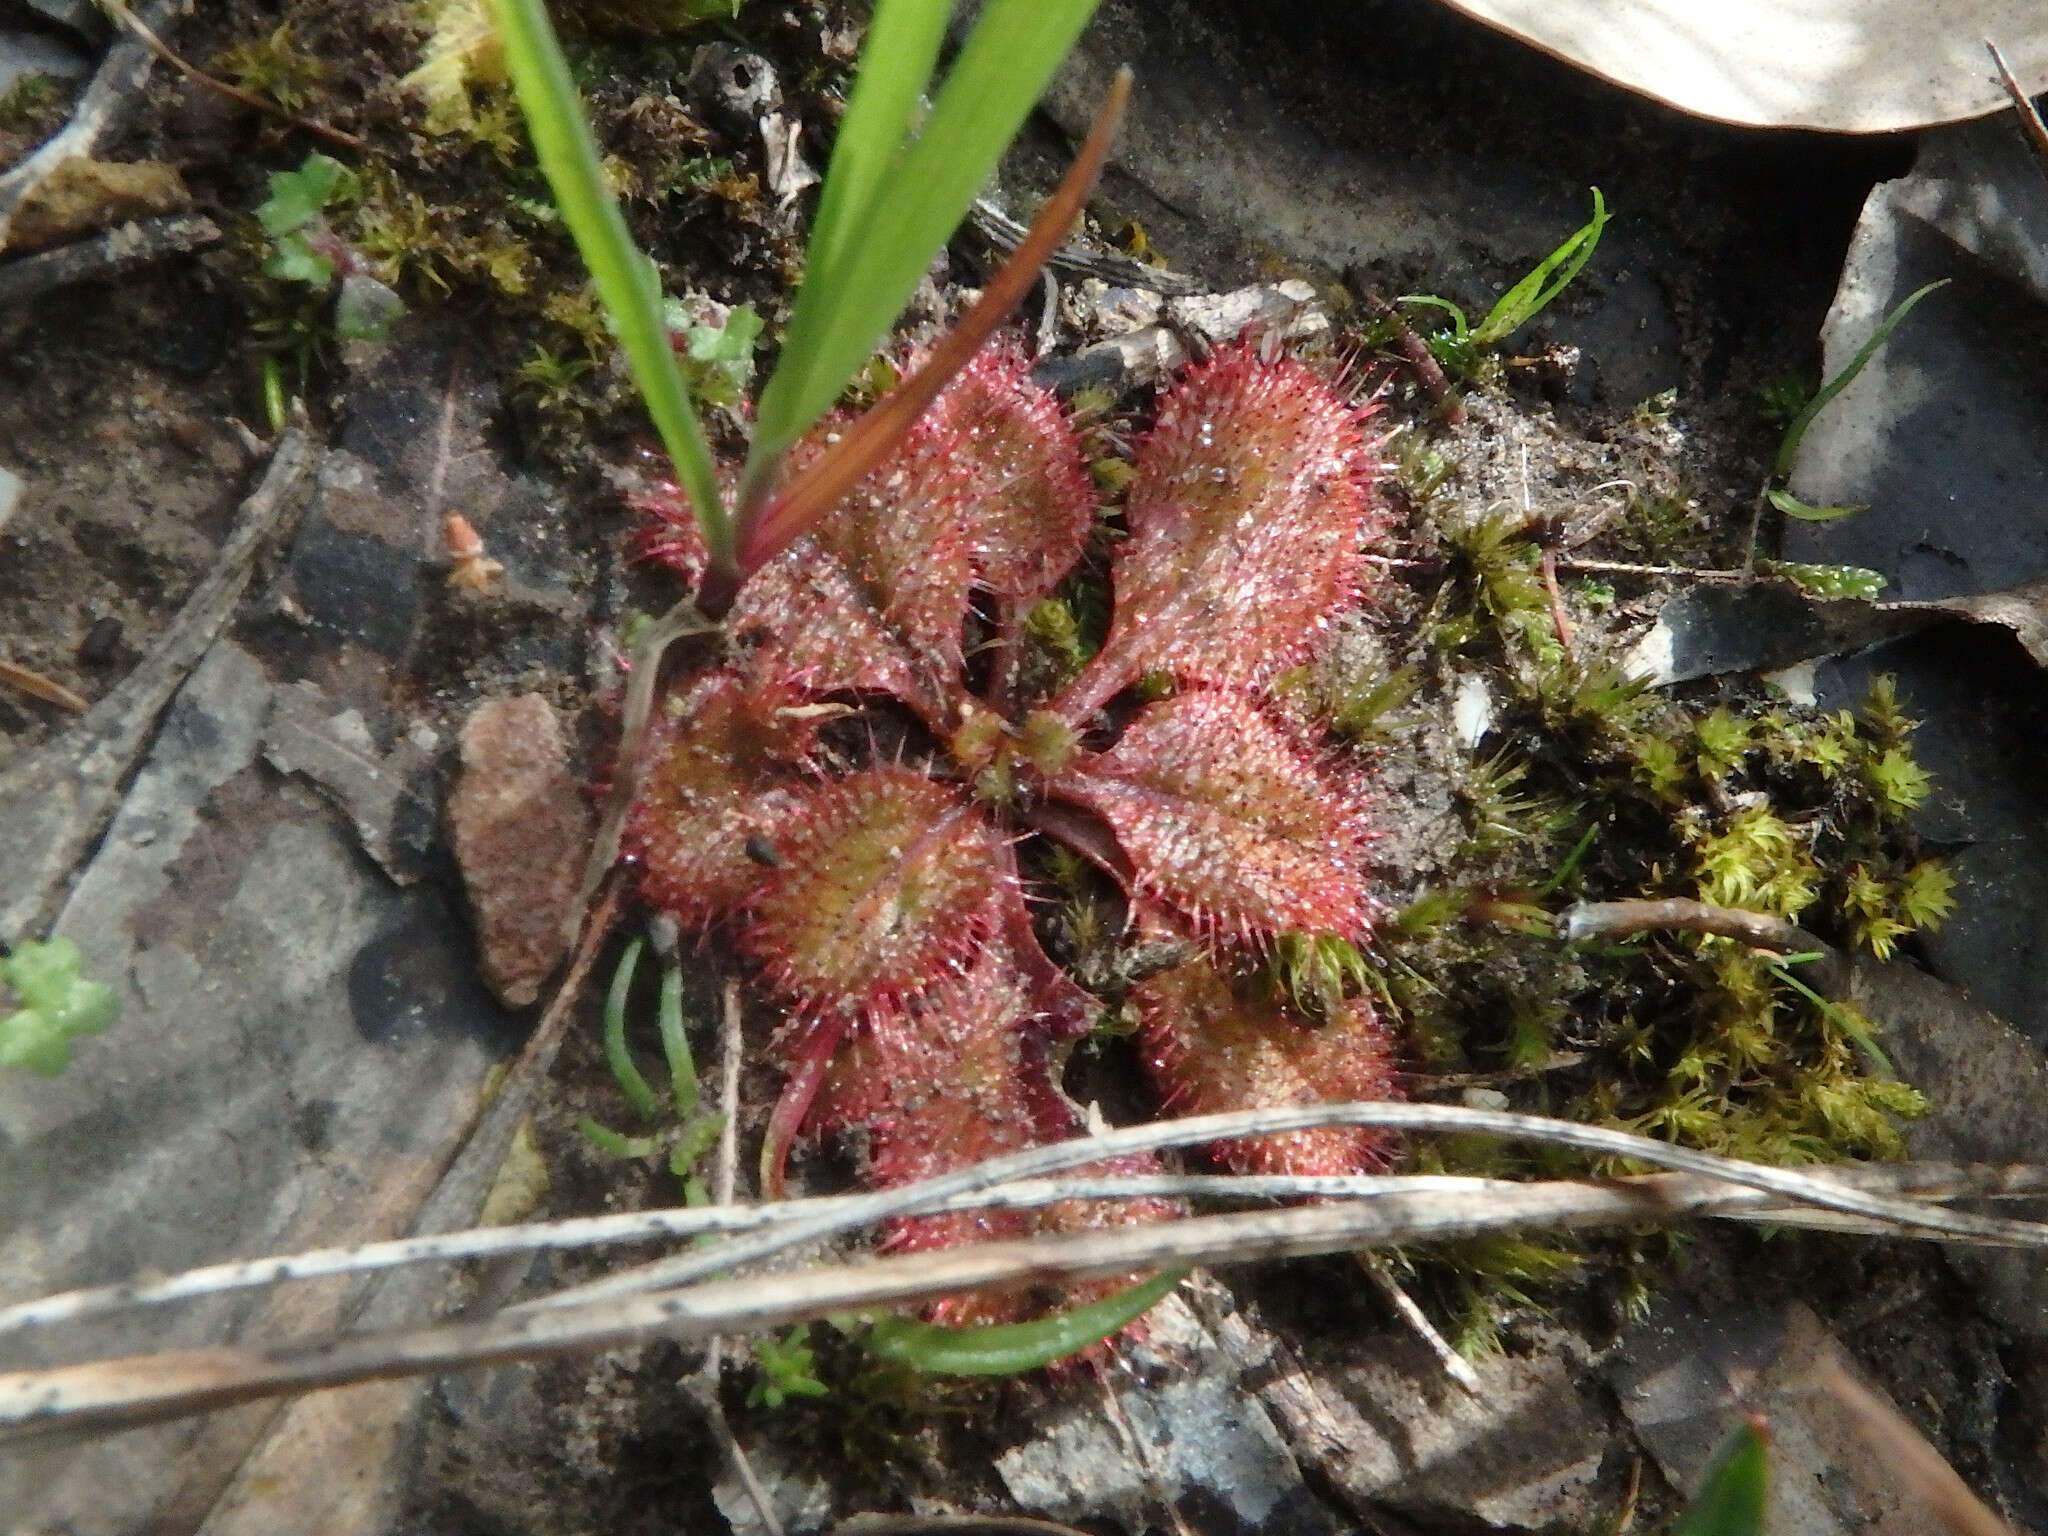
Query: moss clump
(452, 208)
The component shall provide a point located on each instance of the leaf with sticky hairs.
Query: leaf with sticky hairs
(1248, 525)
(1230, 819)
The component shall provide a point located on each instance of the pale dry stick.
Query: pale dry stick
(1453, 1364)
(1577, 566)
(121, 1393)
(104, 255)
(724, 1184)
(198, 76)
(1427, 1119)
(1622, 919)
(2030, 120)
(695, 1221)
(731, 1050)
(1682, 1192)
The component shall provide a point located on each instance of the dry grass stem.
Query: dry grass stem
(1682, 1192)
(120, 1393)
(1422, 1119)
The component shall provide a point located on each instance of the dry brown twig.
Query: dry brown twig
(1916, 1180)
(1622, 919)
(37, 686)
(2030, 120)
(156, 45)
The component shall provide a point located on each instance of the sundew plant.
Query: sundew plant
(892, 579)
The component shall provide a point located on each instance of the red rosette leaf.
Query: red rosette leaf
(1249, 516)
(1029, 503)
(1212, 1049)
(1230, 819)
(722, 768)
(887, 886)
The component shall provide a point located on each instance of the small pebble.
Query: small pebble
(98, 646)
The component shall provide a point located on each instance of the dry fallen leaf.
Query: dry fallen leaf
(1842, 66)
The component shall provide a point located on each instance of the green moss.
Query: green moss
(275, 66)
(28, 100)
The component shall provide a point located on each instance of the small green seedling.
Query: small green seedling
(58, 1005)
(693, 1135)
(306, 254)
(303, 248)
(787, 1367)
(1461, 348)
(717, 358)
(1736, 1488)
(1775, 490)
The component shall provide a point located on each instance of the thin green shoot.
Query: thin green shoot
(1459, 348)
(1461, 328)
(1544, 282)
(1845, 1019)
(1006, 1349)
(616, 1055)
(693, 1135)
(675, 1043)
(1570, 866)
(1796, 433)
(615, 1143)
(1806, 512)
(1774, 492)
(1736, 1489)
(276, 409)
(902, 201)
(626, 280)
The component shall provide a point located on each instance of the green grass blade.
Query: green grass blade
(1792, 506)
(881, 248)
(616, 1056)
(675, 1043)
(1460, 326)
(1796, 433)
(1004, 1349)
(1735, 1491)
(625, 278)
(1550, 277)
(896, 64)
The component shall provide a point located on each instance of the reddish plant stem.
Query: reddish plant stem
(768, 524)
(1415, 352)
